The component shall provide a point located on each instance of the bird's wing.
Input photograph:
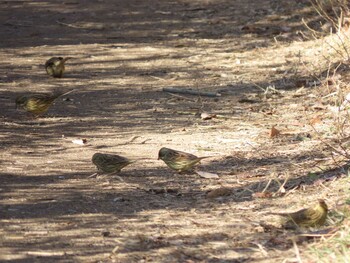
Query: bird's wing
(182, 155)
(51, 61)
(302, 215)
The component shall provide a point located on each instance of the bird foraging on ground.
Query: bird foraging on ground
(55, 66)
(110, 163)
(308, 217)
(177, 160)
(38, 103)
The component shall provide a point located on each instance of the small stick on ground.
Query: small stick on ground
(133, 138)
(267, 185)
(94, 174)
(283, 184)
(297, 253)
(69, 25)
(181, 97)
(191, 92)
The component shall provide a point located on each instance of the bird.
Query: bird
(38, 103)
(110, 163)
(55, 66)
(177, 160)
(308, 217)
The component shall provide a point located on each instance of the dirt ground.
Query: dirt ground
(124, 54)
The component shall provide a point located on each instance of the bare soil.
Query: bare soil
(124, 54)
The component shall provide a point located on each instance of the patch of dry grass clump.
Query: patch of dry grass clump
(334, 94)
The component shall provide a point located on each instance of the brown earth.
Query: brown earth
(124, 54)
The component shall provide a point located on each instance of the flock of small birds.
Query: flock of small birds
(38, 104)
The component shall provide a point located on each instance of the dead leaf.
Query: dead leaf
(223, 191)
(207, 116)
(80, 141)
(274, 132)
(262, 195)
(315, 120)
(207, 175)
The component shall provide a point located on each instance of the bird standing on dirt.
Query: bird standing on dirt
(110, 163)
(307, 217)
(55, 66)
(38, 103)
(177, 160)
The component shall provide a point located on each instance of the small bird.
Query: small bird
(110, 163)
(177, 160)
(38, 103)
(307, 217)
(55, 66)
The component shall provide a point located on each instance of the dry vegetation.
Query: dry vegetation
(279, 136)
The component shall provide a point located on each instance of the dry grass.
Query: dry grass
(334, 248)
(335, 92)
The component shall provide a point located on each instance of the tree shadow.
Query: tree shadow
(63, 211)
(61, 216)
(146, 21)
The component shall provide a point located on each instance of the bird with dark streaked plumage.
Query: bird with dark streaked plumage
(110, 163)
(177, 160)
(307, 217)
(38, 103)
(55, 66)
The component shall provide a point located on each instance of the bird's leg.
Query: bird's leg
(117, 177)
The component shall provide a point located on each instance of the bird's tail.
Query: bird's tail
(204, 157)
(278, 214)
(57, 93)
(65, 59)
(132, 160)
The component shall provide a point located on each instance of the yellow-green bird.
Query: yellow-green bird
(38, 103)
(308, 217)
(55, 66)
(110, 163)
(177, 160)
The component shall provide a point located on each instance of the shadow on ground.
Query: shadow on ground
(52, 211)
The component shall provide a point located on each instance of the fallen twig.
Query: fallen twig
(191, 92)
(94, 174)
(181, 97)
(296, 251)
(267, 185)
(46, 253)
(69, 25)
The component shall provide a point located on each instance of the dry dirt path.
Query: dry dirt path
(124, 53)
